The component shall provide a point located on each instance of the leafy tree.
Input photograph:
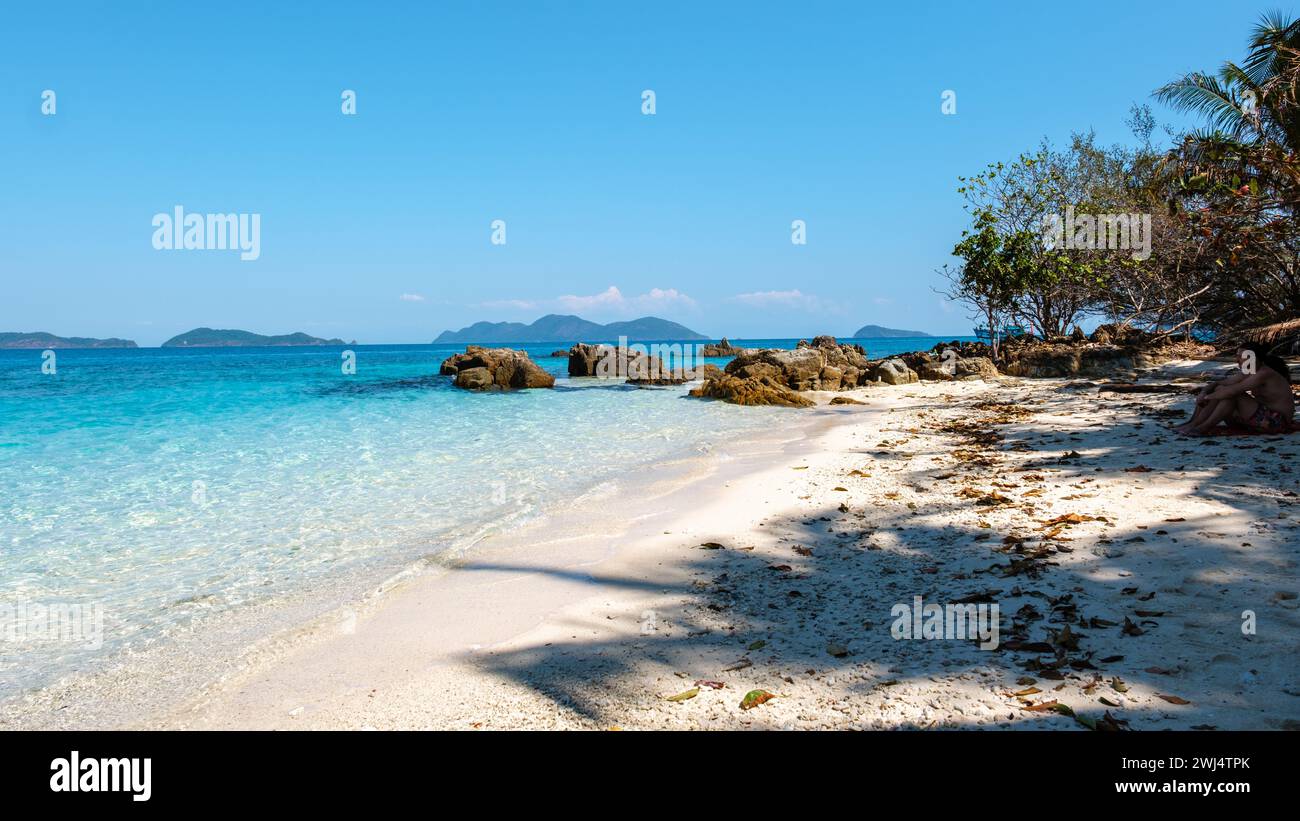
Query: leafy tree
(993, 273)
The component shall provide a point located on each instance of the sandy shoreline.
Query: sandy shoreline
(939, 490)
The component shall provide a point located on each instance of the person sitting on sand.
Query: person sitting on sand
(1257, 397)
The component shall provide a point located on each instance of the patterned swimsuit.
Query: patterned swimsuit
(1266, 419)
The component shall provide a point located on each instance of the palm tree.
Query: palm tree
(1235, 185)
(1254, 102)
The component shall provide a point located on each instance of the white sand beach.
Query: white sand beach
(775, 566)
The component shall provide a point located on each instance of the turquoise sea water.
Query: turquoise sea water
(164, 484)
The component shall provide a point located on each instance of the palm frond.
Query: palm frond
(1274, 30)
(1272, 334)
(1208, 96)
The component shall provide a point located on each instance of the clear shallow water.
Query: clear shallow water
(164, 485)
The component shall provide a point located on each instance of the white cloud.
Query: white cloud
(610, 297)
(780, 299)
(511, 304)
(412, 297)
(609, 301)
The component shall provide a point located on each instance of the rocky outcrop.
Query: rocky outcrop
(772, 376)
(976, 367)
(893, 372)
(946, 367)
(1059, 360)
(584, 358)
(632, 364)
(481, 369)
(723, 348)
(757, 389)
(935, 371)
(1111, 351)
(799, 369)
(823, 364)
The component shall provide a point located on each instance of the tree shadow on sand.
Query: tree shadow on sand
(1119, 615)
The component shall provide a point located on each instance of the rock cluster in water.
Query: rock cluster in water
(485, 369)
(775, 376)
(635, 366)
(723, 348)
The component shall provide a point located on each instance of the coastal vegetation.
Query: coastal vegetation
(1195, 239)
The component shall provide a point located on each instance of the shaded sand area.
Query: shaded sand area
(1122, 558)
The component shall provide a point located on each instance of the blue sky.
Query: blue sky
(376, 227)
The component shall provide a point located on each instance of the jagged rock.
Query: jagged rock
(893, 372)
(752, 390)
(931, 371)
(805, 367)
(1111, 351)
(976, 367)
(799, 369)
(584, 359)
(1046, 361)
(831, 377)
(1118, 334)
(723, 348)
(634, 365)
(962, 349)
(474, 379)
(495, 369)
(842, 356)
(1057, 361)
(774, 376)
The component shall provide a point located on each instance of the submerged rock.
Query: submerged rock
(480, 369)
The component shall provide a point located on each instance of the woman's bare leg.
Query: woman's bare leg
(1243, 407)
(1199, 415)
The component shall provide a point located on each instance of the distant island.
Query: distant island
(560, 328)
(210, 338)
(40, 339)
(878, 332)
